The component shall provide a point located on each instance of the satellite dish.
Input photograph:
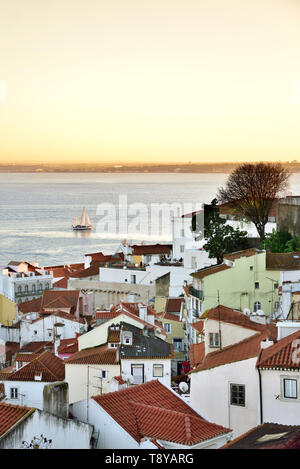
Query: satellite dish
(246, 311)
(183, 386)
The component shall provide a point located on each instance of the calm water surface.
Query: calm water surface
(38, 209)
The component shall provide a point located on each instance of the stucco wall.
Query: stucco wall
(148, 368)
(210, 395)
(275, 408)
(65, 434)
(77, 379)
(230, 333)
(8, 311)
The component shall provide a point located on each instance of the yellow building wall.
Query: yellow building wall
(160, 303)
(8, 311)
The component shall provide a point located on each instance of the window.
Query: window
(33, 289)
(276, 305)
(158, 371)
(257, 306)
(275, 286)
(167, 327)
(19, 290)
(251, 267)
(112, 345)
(127, 341)
(14, 393)
(47, 286)
(237, 394)
(290, 388)
(177, 345)
(182, 232)
(103, 374)
(137, 372)
(182, 248)
(26, 289)
(133, 278)
(256, 285)
(214, 339)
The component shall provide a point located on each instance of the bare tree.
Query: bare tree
(252, 188)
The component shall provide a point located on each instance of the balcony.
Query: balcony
(196, 293)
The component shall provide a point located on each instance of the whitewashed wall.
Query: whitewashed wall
(210, 395)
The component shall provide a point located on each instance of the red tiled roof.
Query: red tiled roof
(148, 410)
(232, 316)
(144, 249)
(60, 299)
(114, 336)
(171, 317)
(60, 314)
(106, 314)
(283, 354)
(177, 427)
(89, 272)
(174, 305)
(10, 415)
(210, 270)
(198, 326)
(31, 306)
(26, 357)
(68, 346)
(36, 347)
(285, 437)
(62, 283)
(243, 350)
(244, 253)
(51, 367)
(94, 356)
(2, 391)
(131, 310)
(197, 353)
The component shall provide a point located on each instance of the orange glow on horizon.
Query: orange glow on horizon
(162, 81)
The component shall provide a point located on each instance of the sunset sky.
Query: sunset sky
(141, 80)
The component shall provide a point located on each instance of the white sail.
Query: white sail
(88, 219)
(83, 218)
(76, 221)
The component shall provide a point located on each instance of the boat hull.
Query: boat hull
(82, 228)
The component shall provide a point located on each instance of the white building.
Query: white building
(22, 281)
(30, 428)
(59, 325)
(149, 416)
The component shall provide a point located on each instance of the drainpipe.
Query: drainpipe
(260, 391)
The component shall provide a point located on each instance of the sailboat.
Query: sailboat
(85, 223)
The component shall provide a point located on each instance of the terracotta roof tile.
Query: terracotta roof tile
(232, 316)
(210, 270)
(171, 317)
(60, 299)
(174, 305)
(2, 391)
(284, 354)
(51, 367)
(244, 253)
(68, 346)
(114, 336)
(197, 353)
(148, 410)
(198, 326)
(95, 356)
(36, 347)
(243, 350)
(144, 249)
(285, 437)
(32, 306)
(10, 415)
(282, 260)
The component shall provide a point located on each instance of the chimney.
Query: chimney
(266, 343)
(142, 312)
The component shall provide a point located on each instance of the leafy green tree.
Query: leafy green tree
(293, 245)
(276, 241)
(220, 237)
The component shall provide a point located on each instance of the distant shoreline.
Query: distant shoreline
(213, 168)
